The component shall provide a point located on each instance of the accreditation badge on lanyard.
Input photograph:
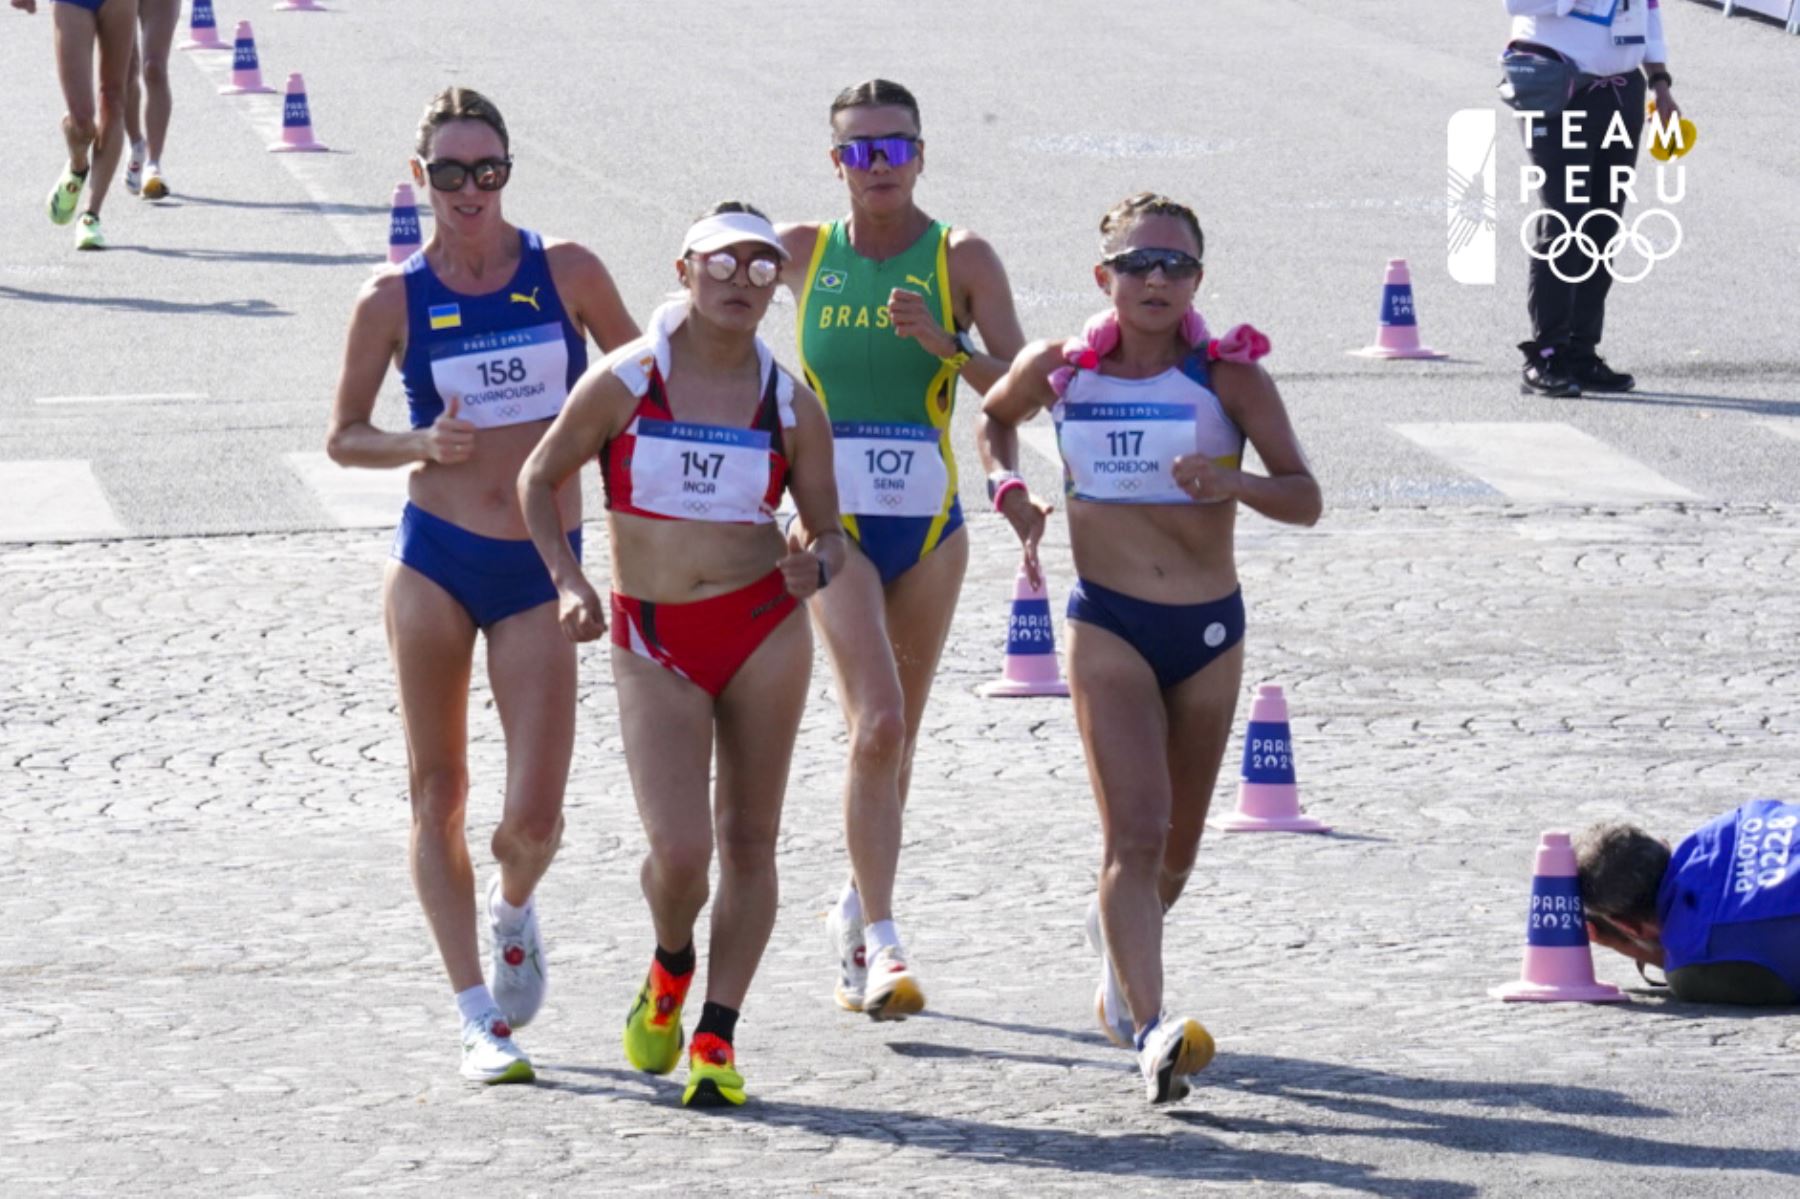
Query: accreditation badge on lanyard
(888, 469)
(701, 472)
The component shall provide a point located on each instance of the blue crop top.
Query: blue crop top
(511, 354)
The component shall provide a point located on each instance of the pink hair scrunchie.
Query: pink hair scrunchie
(1100, 336)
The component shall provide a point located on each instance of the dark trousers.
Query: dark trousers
(1568, 317)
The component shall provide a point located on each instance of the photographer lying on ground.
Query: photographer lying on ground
(1720, 915)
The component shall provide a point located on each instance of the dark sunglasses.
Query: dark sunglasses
(859, 152)
(448, 175)
(761, 270)
(1175, 264)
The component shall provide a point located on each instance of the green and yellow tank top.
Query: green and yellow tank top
(889, 398)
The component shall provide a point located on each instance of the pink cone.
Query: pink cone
(1269, 795)
(1559, 965)
(296, 121)
(1030, 667)
(1397, 335)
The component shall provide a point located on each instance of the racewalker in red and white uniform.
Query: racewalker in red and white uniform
(698, 432)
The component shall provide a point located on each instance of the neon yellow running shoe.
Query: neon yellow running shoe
(89, 236)
(713, 1079)
(65, 196)
(653, 1036)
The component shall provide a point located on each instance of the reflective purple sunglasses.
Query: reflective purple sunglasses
(859, 152)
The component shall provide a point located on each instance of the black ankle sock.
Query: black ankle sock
(678, 963)
(719, 1020)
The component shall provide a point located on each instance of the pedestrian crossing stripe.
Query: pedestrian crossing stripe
(1544, 462)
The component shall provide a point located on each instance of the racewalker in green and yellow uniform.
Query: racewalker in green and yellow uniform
(886, 301)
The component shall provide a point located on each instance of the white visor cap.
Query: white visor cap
(728, 229)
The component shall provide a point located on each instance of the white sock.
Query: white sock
(509, 918)
(153, 167)
(474, 1003)
(137, 151)
(849, 905)
(878, 936)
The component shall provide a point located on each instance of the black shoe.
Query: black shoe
(1592, 374)
(1545, 377)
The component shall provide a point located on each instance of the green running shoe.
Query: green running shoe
(89, 236)
(653, 1035)
(713, 1077)
(65, 196)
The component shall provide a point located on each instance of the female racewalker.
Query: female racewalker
(148, 100)
(1151, 418)
(698, 432)
(93, 129)
(885, 304)
(488, 325)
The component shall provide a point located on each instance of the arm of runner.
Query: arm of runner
(982, 281)
(812, 478)
(1288, 493)
(798, 240)
(377, 331)
(592, 415)
(1017, 397)
(593, 297)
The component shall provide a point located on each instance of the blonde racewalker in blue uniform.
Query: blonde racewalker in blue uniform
(887, 298)
(488, 326)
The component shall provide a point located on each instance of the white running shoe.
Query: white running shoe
(520, 977)
(1173, 1050)
(891, 993)
(1116, 1024)
(134, 167)
(853, 971)
(488, 1053)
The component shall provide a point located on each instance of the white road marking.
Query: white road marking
(54, 500)
(1544, 462)
(141, 398)
(355, 499)
(1787, 428)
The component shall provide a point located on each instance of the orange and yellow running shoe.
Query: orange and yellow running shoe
(713, 1079)
(653, 1035)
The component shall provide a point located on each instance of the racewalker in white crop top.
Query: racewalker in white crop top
(1152, 416)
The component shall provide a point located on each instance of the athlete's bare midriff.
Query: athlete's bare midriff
(481, 495)
(1163, 553)
(681, 561)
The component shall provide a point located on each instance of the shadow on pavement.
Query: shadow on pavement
(1678, 399)
(295, 206)
(927, 1049)
(261, 308)
(1525, 1118)
(273, 257)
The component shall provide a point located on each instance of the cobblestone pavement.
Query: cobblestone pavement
(214, 978)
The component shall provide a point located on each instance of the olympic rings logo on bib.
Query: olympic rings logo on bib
(1580, 237)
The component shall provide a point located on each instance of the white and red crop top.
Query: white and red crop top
(669, 469)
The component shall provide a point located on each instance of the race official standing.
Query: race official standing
(1612, 52)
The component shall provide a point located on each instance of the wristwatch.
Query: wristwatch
(965, 350)
(824, 575)
(1651, 78)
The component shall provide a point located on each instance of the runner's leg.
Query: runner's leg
(1124, 731)
(758, 719)
(432, 640)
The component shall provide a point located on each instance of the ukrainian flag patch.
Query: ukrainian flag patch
(445, 316)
